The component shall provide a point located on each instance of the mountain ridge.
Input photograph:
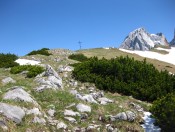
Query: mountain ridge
(140, 39)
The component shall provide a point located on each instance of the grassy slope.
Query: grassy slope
(111, 53)
(58, 98)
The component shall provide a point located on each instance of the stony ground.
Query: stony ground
(55, 102)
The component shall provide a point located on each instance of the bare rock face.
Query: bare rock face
(14, 113)
(172, 43)
(140, 39)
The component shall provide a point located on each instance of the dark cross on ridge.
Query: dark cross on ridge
(80, 44)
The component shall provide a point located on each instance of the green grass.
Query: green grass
(61, 99)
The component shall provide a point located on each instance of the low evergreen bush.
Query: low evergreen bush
(78, 57)
(43, 51)
(164, 112)
(33, 71)
(8, 60)
(126, 76)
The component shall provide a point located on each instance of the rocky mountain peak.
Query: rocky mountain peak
(140, 39)
(172, 43)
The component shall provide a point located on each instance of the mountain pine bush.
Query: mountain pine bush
(33, 71)
(7, 60)
(78, 57)
(43, 51)
(126, 76)
(164, 112)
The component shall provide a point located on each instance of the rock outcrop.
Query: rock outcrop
(14, 113)
(140, 39)
(172, 43)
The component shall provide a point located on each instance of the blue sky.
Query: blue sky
(27, 25)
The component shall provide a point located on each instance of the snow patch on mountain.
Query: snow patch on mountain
(27, 62)
(169, 58)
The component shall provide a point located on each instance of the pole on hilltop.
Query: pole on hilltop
(80, 44)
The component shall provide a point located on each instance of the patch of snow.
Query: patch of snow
(169, 58)
(159, 48)
(27, 62)
(149, 123)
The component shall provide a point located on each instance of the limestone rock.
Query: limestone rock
(73, 92)
(39, 120)
(97, 95)
(3, 125)
(130, 116)
(126, 116)
(19, 94)
(48, 80)
(71, 113)
(34, 111)
(12, 112)
(56, 81)
(61, 125)
(105, 100)
(51, 112)
(51, 72)
(89, 98)
(121, 116)
(65, 68)
(8, 80)
(83, 108)
(136, 106)
(71, 119)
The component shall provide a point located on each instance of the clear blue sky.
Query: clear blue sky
(27, 25)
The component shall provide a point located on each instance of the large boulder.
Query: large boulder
(19, 94)
(8, 80)
(14, 113)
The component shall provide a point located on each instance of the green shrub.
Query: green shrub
(32, 70)
(164, 112)
(43, 51)
(7, 60)
(126, 76)
(78, 57)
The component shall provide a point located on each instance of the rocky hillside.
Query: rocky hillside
(140, 39)
(54, 101)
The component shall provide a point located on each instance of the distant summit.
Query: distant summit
(140, 39)
(172, 43)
